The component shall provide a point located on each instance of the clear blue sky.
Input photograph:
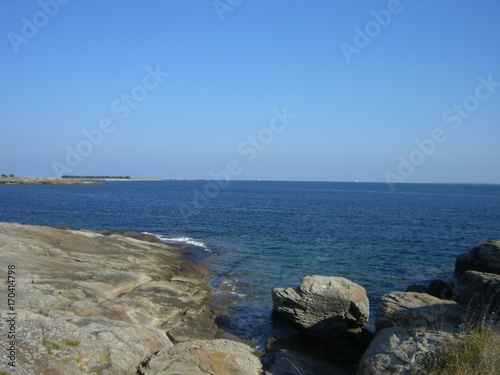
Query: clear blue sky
(231, 66)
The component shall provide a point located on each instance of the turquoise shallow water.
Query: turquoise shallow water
(268, 234)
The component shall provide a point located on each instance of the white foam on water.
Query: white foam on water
(187, 240)
(229, 287)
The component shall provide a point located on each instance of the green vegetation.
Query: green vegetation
(99, 177)
(475, 351)
(55, 346)
(72, 343)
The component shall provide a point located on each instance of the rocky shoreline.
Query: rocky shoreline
(411, 326)
(124, 303)
(102, 303)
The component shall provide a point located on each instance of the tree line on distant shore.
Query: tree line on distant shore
(99, 177)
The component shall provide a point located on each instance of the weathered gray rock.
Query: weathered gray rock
(323, 306)
(485, 257)
(409, 325)
(419, 310)
(478, 292)
(100, 304)
(215, 357)
(476, 286)
(67, 345)
(399, 350)
(331, 310)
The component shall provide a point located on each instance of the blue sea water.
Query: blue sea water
(268, 234)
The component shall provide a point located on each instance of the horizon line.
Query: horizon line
(137, 179)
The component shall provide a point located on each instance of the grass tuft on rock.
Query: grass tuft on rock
(53, 347)
(474, 351)
(72, 343)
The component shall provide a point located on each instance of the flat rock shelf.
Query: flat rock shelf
(94, 303)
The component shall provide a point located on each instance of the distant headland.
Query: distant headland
(98, 177)
(67, 180)
(111, 178)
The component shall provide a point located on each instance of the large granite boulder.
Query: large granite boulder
(409, 325)
(323, 306)
(399, 350)
(477, 280)
(478, 292)
(330, 311)
(418, 310)
(485, 257)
